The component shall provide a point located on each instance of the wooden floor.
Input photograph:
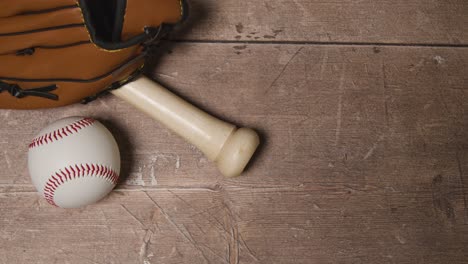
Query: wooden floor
(363, 111)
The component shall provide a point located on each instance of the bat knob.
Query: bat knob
(237, 151)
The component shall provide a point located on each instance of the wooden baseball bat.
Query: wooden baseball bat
(228, 146)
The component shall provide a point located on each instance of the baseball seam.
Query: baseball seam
(60, 133)
(77, 171)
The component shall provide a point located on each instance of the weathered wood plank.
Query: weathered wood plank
(365, 160)
(413, 21)
(329, 224)
(327, 114)
(310, 224)
(128, 227)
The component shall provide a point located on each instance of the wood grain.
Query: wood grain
(364, 160)
(366, 21)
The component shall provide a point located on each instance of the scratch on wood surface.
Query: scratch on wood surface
(340, 106)
(106, 220)
(7, 159)
(32, 230)
(222, 258)
(283, 70)
(462, 182)
(323, 64)
(249, 251)
(195, 244)
(153, 164)
(387, 115)
(132, 215)
(209, 219)
(417, 66)
(440, 90)
(149, 170)
(144, 255)
(216, 223)
(166, 216)
(158, 206)
(233, 243)
(167, 75)
(213, 220)
(439, 60)
(422, 133)
(385, 86)
(374, 146)
(441, 199)
(152, 171)
(166, 157)
(234, 247)
(181, 199)
(136, 178)
(181, 230)
(366, 68)
(159, 187)
(154, 221)
(154, 182)
(400, 239)
(104, 104)
(291, 147)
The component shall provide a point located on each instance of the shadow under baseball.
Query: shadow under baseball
(123, 138)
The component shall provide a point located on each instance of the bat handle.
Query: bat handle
(228, 146)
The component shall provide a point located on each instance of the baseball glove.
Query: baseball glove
(58, 52)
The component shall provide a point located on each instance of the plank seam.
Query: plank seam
(318, 43)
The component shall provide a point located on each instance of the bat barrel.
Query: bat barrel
(230, 147)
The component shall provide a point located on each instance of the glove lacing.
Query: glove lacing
(17, 92)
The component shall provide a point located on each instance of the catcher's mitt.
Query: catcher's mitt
(59, 52)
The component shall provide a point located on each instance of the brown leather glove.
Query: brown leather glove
(59, 52)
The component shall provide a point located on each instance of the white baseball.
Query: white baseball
(74, 162)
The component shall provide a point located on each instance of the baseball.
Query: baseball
(74, 162)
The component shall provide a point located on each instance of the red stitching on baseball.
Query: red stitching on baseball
(70, 173)
(60, 133)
